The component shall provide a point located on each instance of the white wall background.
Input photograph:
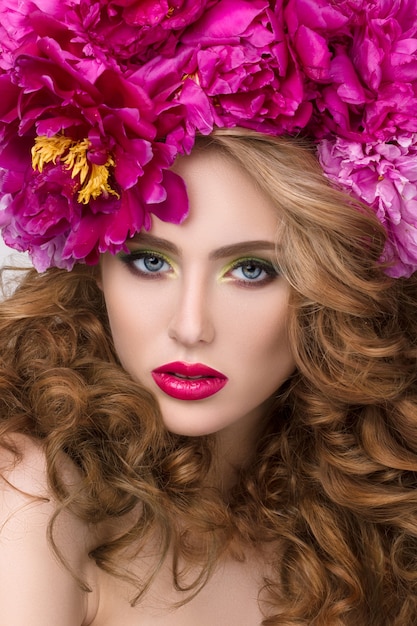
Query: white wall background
(11, 257)
(7, 255)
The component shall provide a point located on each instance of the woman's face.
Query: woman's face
(198, 311)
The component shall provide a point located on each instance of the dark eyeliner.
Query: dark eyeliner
(129, 260)
(130, 257)
(268, 267)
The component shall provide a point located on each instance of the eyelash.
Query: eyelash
(131, 259)
(269, 270)
(264, 266)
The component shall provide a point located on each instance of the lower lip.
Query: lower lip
(187, 388)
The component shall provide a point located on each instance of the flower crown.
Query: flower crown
(98, 97)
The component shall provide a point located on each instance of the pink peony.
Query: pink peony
(243, 62)
(63, 94)
(99, 98)
(39, 217)
(384, 176)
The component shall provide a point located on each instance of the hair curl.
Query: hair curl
(332, 486)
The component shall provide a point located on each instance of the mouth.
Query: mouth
(188, 381)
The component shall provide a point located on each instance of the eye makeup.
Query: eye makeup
(248, 271)
(148, 264)
(251, 271)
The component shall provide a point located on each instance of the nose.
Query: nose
(191, 323)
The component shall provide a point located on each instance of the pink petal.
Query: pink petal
(174, 208)
(313, 52)
(225, 21)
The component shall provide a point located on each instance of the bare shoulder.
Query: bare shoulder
(26, 471)
(35, 587)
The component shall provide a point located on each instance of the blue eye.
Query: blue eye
(253, 271)
(150, 264)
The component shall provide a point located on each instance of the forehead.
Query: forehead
(226, 204)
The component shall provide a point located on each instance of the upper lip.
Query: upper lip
(190, 370)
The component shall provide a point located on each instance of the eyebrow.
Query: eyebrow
(243, 247)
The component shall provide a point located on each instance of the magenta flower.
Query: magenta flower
(99, 98)
(93, 133)
(384, 176)
(175, 14)
(243, 63)
(382, 47)
(23, 23)
(39, 217)
(134, 29)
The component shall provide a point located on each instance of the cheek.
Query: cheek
(136, 321)
(272, 356)
(129, 307)
(273, 344)
(122, 314)
(121, 330)
(263, 331)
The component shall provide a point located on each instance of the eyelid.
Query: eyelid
(138, 253)
(268, 266)
(250, 259)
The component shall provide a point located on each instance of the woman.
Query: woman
(215, 423)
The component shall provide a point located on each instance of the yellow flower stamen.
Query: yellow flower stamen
(76, 159)
(194, 76)
(73, 154)
(170, 12)
(97, 183)
(48, 149)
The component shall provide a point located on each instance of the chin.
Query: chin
(189, 430)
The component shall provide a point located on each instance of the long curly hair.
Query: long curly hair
(331, 490)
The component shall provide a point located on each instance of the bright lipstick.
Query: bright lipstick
(188, 381)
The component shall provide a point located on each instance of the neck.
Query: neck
(236, 448)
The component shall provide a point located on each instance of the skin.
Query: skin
(35, 588)
(204, 302)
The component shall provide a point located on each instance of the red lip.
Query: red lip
(188, 381)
